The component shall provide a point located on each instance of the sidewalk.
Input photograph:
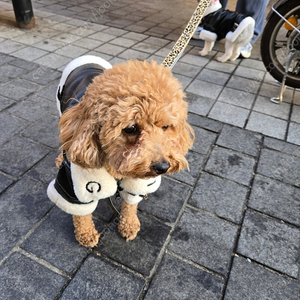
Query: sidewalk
(228, 229)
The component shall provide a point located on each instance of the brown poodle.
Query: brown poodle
(126, 124)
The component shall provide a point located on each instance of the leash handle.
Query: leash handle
(187, 34)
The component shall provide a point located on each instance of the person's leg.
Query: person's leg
(224, 3)
(255, 9)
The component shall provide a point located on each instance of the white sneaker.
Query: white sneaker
(196, 35)
(246, 51)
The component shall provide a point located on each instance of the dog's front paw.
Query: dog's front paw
(129, 227)
(85, 231)
(88, 239)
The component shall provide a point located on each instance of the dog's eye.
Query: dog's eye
(164, 128)
(131, 130)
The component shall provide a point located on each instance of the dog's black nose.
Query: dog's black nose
(161, 167)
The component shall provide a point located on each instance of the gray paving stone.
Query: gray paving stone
(204, 89)
(205, 240)
(249, 72)
(26, 202)
(178, 280)
(184, 80)
(186, 69)
(4, 182)
(4, 58)
(45, 170)
(270, 90)
(12, 126)
(18, 89)
(251, 281)
(146, 47)
(71, 51)
(32, 109)
(206, 123)
(42, 75)
(30, 53)
(9, 46)
(279, 166)
(24, 64)
(231, 165)
(49, 92)
(265, 106)
(228, 113)
(282, 146)
(203, 140)
(156, 41)
(294, 133)
(240, 140)
(219, 196)
(18, 155)
(253, 63)
(167, 201)
(110, 49)
(270, 242)
(135, 36)
(295, 117)
(226, 67)
(44, 131)
(195, 161)
(199, 105)
(54, 241)
(244, 84)
(105, 212)
(115, 31)
(23, 278)
(236, 97)
(53, 60)
(216, 77)
(121, 41)
(9, 72)
(276, 199)
(4, 103)
(267, 125)
(139, 254)
(49, 44)
(100, 279)
(196, 60)
(134, 54)
(101, 36)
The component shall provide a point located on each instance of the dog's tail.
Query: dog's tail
(247, 24)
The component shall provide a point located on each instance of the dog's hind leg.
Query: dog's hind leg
(228, 52)
(129, 224)
(85, 231)
(236, 52)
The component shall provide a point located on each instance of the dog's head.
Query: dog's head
(131, 120)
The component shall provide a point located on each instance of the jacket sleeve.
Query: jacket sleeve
(135, 190)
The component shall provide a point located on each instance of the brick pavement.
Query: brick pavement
(227, 229)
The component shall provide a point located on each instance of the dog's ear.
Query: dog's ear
(187, 137)
(79, 135)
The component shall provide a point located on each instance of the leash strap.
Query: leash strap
(187, 34)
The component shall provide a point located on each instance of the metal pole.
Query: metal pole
(24, 13)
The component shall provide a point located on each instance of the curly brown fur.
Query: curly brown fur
(85, 231)
(129, 224)
(131, 117)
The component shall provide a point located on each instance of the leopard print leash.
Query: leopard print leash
(187, 34)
